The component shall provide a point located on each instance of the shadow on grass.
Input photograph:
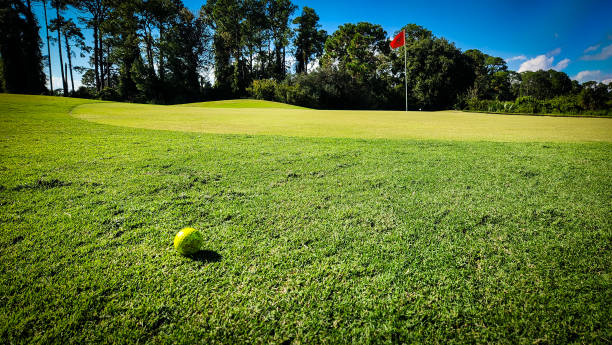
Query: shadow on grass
(205, 256)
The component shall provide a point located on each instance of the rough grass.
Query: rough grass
(307, 240)
(242, 103)
(446, 125)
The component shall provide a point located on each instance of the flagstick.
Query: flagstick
(405, 74)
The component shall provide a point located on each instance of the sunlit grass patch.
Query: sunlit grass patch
(446, 125)
(242, 103)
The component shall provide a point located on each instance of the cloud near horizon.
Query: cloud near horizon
(544, 62)
(517, 58)
(606, 53)
(596, 75)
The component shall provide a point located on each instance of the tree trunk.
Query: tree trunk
(59, 46)
(108, 64)
(96, 52)
(66, 74)
(48, 46)
(69, 62)
(277, 53)
(251, 49)
(149, 42)
(103, 69)
(162, 74)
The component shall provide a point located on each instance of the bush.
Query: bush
(527, 104)
(82, 92)
(109, 94)
(265, 89)
(326, 89)
(569, 104)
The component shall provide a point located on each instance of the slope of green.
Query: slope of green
(241, 103)
(447, 125)
(307, 240)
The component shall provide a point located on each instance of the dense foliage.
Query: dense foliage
(20, 55)
(158, 51)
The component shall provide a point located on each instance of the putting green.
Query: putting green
(241, 103)
(453, 125)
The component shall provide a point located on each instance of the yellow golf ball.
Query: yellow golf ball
(188, 241)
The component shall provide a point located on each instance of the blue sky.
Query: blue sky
(572, 36)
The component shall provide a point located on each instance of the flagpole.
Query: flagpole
(405, 74)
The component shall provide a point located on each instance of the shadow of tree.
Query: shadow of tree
(205, 256)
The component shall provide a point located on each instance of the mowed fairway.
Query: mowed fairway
(310, 235)
(270, 118)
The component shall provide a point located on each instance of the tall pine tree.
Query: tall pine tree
(21, 67)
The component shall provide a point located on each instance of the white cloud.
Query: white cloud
(596, 75)
(606, 52)
(554, 52)
(543, 62)
(586, 75)
(540, 62)
(517, 58)
(592, 48)
(561, 65)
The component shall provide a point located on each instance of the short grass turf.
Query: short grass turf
(445, 125)
(242, 103)
(307, 240)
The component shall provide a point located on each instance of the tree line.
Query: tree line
(158, 51)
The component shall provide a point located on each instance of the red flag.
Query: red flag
(399, 40)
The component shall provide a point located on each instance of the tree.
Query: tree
(21, 67)
(72, 37)
(122, 25)
(59, 6)
(437, 73)
(97, 12)
(360, 51)
(560, 83)
(156, 20)
(594, 96)
(188, 37)
(310, 41)
(253, 39)
(44, 2)
(491, 77)
(279, 12)
(358, 48)
(223, 17)
(546, 84)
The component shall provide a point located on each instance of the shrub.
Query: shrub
(83, 92)
(263, 89)
(109, 94)
(568, 104)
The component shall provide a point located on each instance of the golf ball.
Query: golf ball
(188, 241)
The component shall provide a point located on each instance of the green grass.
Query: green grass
(241, 103)
(307, 240)
(446, 125)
